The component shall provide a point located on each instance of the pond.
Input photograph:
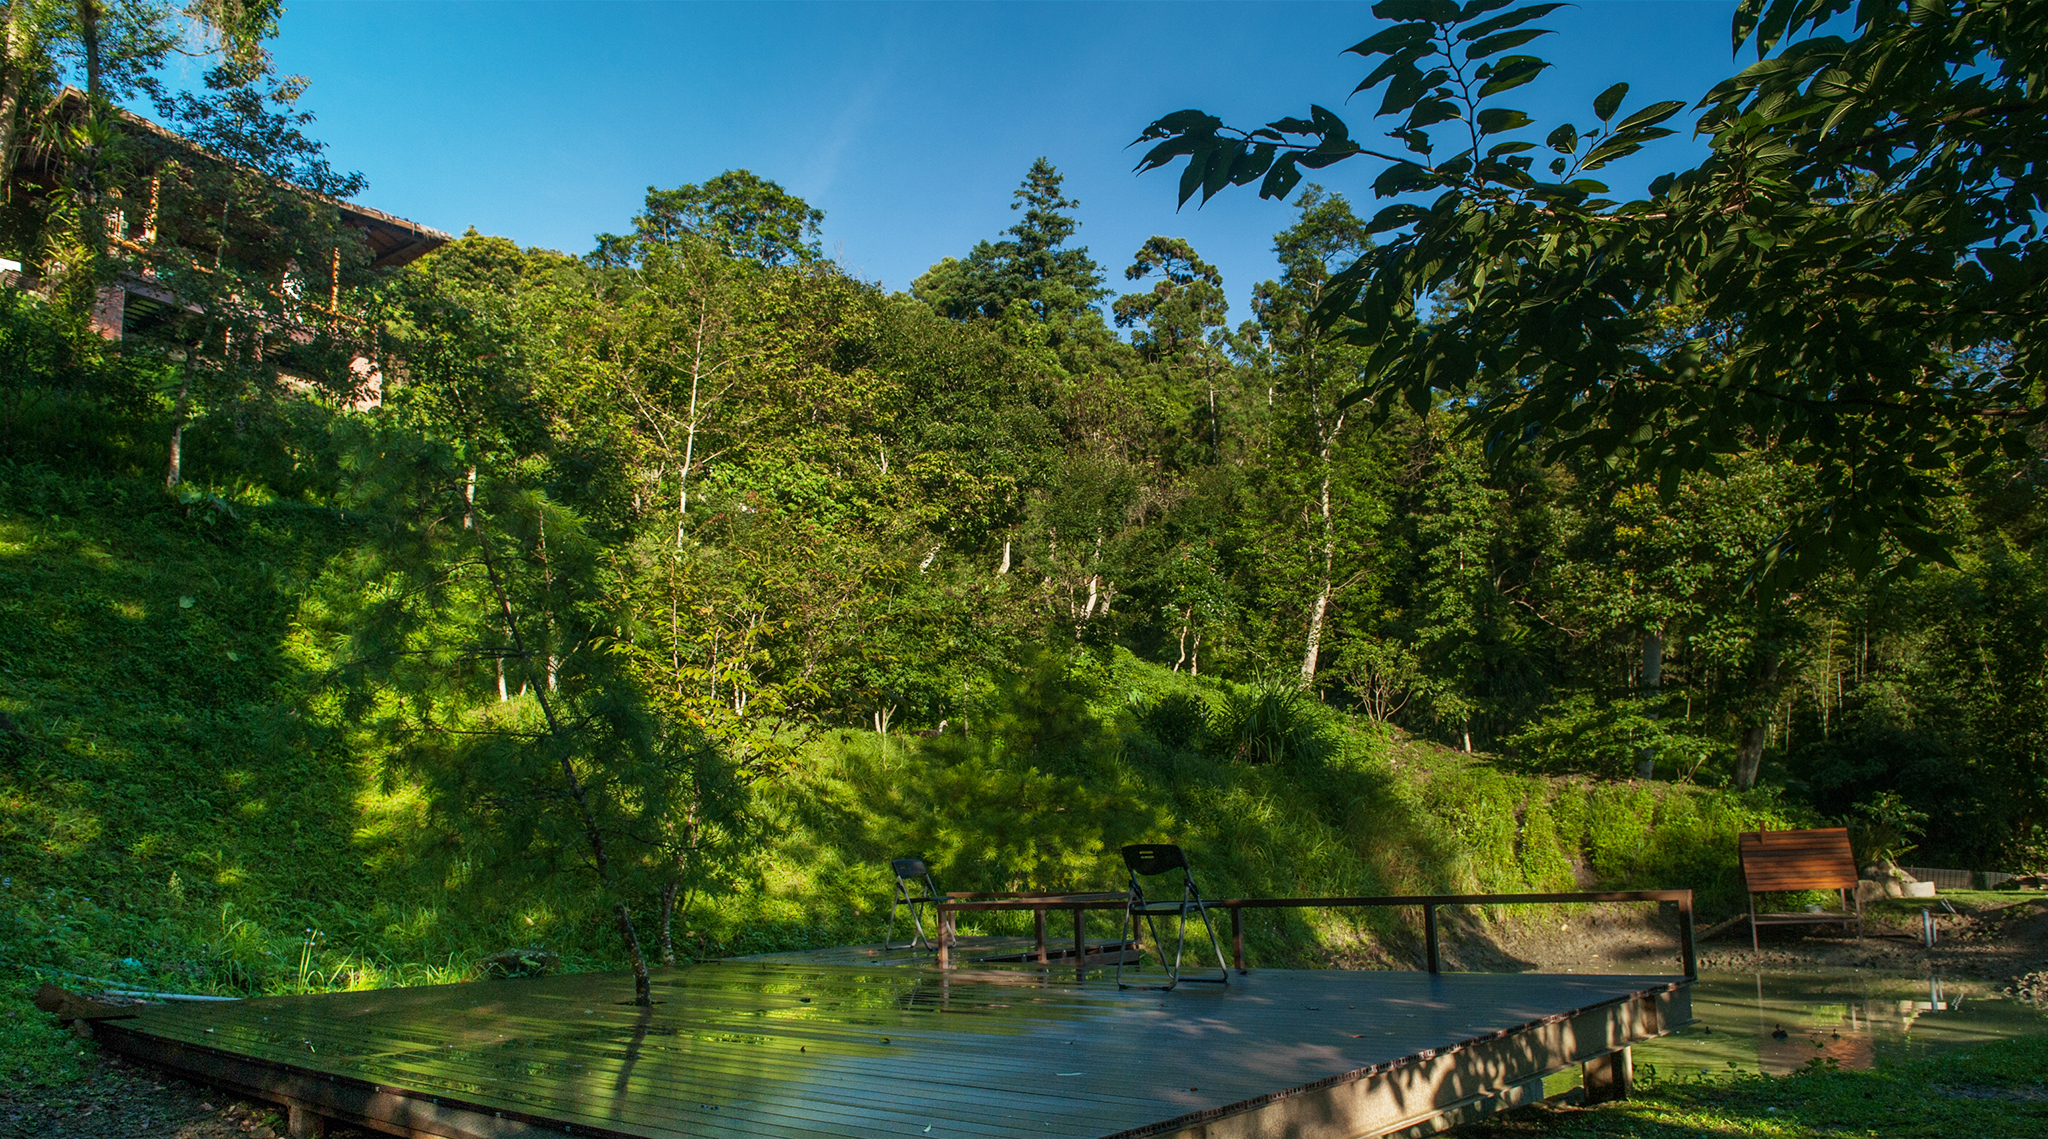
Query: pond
(1858, 1018)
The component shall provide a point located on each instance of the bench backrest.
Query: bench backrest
(1779, 861)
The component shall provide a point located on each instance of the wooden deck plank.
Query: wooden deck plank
(972, 1053)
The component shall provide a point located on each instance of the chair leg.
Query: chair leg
(921, 940)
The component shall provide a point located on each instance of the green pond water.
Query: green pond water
(1781, 1022)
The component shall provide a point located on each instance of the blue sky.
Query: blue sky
(909, 124)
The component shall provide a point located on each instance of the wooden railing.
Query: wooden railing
(1080, 904)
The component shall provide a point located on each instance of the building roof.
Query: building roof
(393, 240)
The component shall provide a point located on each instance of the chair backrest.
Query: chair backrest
(909, 867)
(1782, 861)
(1148, 858)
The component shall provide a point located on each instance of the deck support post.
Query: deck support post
(303, 1122)
(1080, 944)
(1237, 937)
(1686, 948)
(1429, 937)
(1038, 922)
(945, 938)
(1610, 1077)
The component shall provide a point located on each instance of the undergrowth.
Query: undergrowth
(184, 805)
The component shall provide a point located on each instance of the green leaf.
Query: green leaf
(1609, 101)
(1497, 120)
(1434, 11)
(1500, 148)
(1281, 179)
(1393, 39)
(1510, 72)
(1394, 217)
(1430, 112)
(1492, 45)
(1507, 20)
(1478, 8)
(1402, 178)
(1651, 115)
(1564, 140)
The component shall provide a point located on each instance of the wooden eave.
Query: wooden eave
(393, 240)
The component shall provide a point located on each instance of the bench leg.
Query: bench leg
(1610, 1077)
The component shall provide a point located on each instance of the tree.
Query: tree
(1310, 375)
(576, 771)
(738, 212)
(1181, 321)
(1865, 228)
(1032, 268)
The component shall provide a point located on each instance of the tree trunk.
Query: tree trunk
(89, 37)
(1653, 681)
(15, 43)
(578, 794)
(643, 989)
(1749, 754)
(668, 918)
(174, 470)
(1325, 584)
(690, 432)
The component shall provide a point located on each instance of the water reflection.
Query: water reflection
(1781, 1022)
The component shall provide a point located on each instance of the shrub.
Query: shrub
(1273, 722)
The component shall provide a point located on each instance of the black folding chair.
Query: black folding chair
(914, 888)
(1146, 860)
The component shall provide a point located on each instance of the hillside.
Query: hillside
(183, 804)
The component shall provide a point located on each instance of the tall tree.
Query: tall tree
(1312, 372)
(1032, 267)
(740, 213)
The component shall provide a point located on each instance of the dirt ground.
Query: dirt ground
(121, 1100)
(2000, 937)
(1994, 937)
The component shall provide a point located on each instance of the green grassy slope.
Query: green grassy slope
(183, 807)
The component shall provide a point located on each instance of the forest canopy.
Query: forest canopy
(1738, 485)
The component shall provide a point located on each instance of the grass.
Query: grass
(1984, 1091)
(183, 806)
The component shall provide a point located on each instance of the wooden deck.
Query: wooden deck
(975, 950)
(814, 1049)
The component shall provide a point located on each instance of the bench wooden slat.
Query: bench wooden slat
(1783, 861)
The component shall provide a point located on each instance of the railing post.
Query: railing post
(945, 936)
(1429, 936)
(1686, 948)
(1038, 920)
(1237, 936)
(1080, 944)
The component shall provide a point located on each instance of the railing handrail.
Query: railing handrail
(1112, 900)
(1453, 899)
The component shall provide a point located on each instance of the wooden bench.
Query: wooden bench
(1777, 862)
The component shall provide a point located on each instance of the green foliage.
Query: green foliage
(1032, 270)
(1883, 828)
(1580, 734)
(1273, 721)
(1847, 167)
(739, 213)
